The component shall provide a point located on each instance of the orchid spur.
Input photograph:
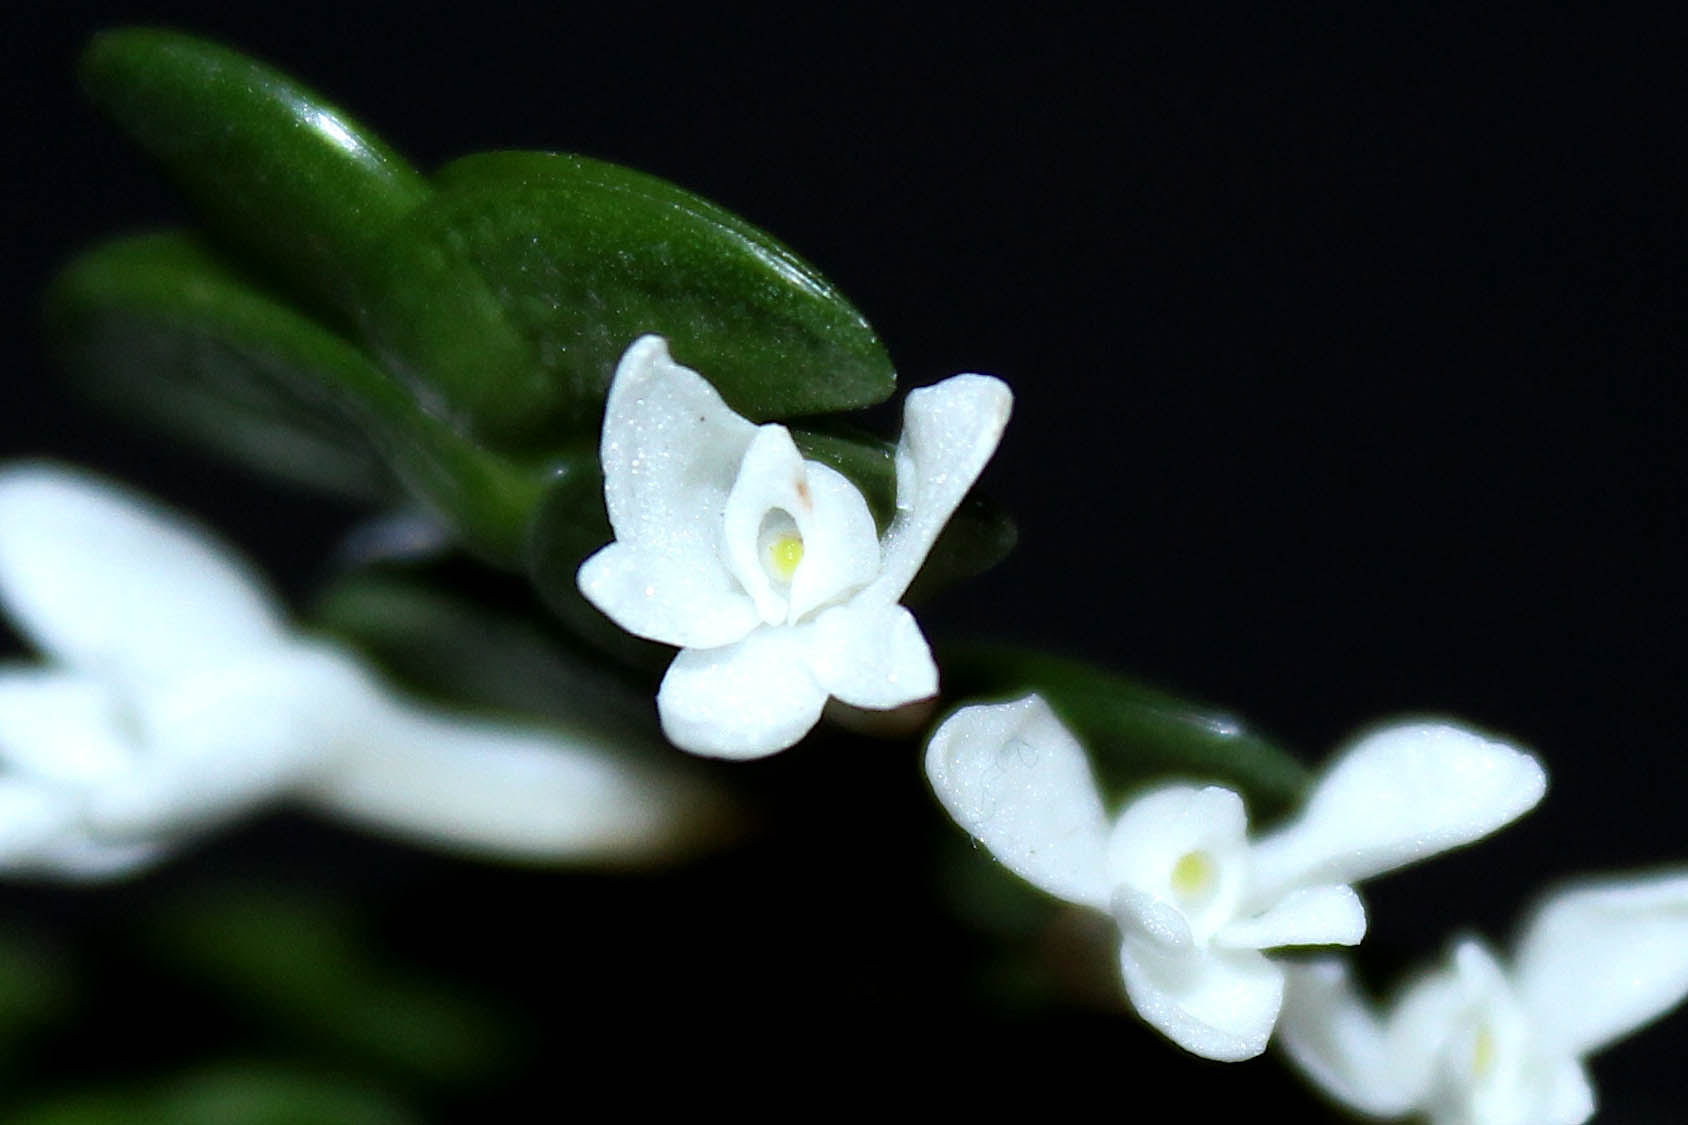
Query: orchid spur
(174, 696)
(1198, 903)
(765, 569)
(1475, 1042)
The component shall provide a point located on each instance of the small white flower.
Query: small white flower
(764, 569)
(1196, 900)
(1474, 1043)
(175, 696)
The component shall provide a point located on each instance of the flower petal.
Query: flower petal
(223, 742)
(770, 477)
(667, 598)
(506, 791)
(670, 451)
(103, 580)
(1014, 778)
(841, 543)
(1325, 915)
(1219, 1004)
(1599, 960)
(746, 700)
(61, 727)
(1332, 1035)
(1399, 795)
(1185, 847)
(834, 528)
(873, 656)
(950, 430)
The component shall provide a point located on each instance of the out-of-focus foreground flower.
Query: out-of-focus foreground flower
(174, 696)
(764, 569)
(1197, 901)
(1475, 1042)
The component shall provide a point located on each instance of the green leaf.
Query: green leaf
(513, 292)
(1136, 734)
(444, 645)
(158, 328)
(304, 964)
(571, 523)
(162, 327)
(227, 1094)
(277, 171)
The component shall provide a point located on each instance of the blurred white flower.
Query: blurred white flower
(1196, 900)
(1476, 1043)
(764, 569)
(174, 696)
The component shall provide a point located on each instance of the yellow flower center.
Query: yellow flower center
(1483, 1052)
(784, 553)
(1193, 874)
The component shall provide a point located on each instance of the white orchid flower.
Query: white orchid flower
(1197, 901)
(175, 696)
(764, 569)
(1476, 1043)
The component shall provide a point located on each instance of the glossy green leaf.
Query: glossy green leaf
(513, 292)
(569, 524)
(1136, 734)
(162, 327)
(441, 644)
(280, 173)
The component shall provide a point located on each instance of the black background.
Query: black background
(1347, 353)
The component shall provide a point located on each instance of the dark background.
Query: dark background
(1347, 353)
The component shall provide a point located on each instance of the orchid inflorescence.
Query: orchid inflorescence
(172, 693)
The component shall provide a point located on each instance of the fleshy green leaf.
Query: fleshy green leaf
(280, 173)
(1136, 734)
(163, 328)
(517, 287)
(160, 329)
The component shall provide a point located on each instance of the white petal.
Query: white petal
(1325, 915)
(222, 742)
(508, 791)
(1599, 960)
(61, 726)
(840, 541)
(1331, 1034)
(31, 814)
(1014, 778)
(1399, 795)
(105, 581)
(950, 431)
(677, 600)
(770, 477)
(1181, 828)
(1567, 1094)
(873, 656)
(1219, 1004)
(671, 451)
(746, 700)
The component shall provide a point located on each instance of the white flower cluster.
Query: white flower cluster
(1197, 901)
(1476, 1042)
(174, 696)
(765, 569)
